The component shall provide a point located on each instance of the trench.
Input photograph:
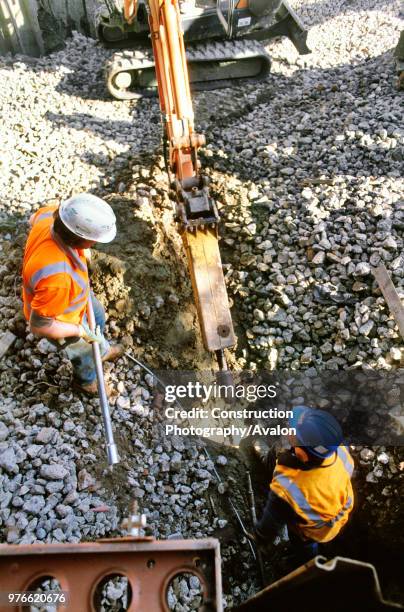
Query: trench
(143, 281)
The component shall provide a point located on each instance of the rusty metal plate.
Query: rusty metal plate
(148, 566)
(337, 585)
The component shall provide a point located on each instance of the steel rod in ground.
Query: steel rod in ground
(112, 451)
(233, 507)
(254, 520)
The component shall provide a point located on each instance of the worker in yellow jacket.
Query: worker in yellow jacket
(310, 491)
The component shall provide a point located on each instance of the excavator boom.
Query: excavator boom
(196, 212)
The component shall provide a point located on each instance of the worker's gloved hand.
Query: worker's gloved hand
(90, 336)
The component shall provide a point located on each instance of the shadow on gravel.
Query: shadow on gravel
(313, 96)
(323, 10)
(119, 131)
(310, 95)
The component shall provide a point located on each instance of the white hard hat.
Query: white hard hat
(89, 217)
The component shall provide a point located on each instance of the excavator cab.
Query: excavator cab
(222, 38)
(237, 15)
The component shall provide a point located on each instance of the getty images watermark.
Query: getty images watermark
(223, 421)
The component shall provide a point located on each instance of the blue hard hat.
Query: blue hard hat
(316, 430)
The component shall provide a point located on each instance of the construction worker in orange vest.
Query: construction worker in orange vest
(310, 490)
(56, 284)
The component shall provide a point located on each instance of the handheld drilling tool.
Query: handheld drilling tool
(112, 451)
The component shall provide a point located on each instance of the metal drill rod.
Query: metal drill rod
(254, 520)
(221, 359)
(251, 499)
(112, 451)
(224, 375)
(142, 365)
(233, 507)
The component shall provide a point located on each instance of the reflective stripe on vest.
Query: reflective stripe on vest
(340, 514)
(298, 498)
(304, 505)
(290, 481)
(44, 215)
(76, 303)
(346, 459)
(49, 265)
(61, 267)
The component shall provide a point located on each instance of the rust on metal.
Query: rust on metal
(319, 585)
(149, 567)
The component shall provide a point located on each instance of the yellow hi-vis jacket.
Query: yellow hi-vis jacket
(322, 497)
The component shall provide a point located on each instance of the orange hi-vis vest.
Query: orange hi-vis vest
(322, 497)
(55, 277)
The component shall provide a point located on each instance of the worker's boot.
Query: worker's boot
(114, 352)
(91, 389)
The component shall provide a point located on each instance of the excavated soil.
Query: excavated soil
(142, 277)
(305, 168)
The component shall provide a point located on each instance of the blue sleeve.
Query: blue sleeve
(277, 513)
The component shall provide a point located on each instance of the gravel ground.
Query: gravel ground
(307, 170)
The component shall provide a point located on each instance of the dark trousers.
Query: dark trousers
(303, 550)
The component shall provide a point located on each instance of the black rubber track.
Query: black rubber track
(221, 51)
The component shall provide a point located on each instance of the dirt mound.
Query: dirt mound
(142, 277)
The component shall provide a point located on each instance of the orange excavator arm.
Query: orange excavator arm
(196, 212)
(129, 10)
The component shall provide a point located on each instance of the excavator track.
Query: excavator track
(130, 74)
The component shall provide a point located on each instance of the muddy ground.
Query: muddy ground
(145, 269)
